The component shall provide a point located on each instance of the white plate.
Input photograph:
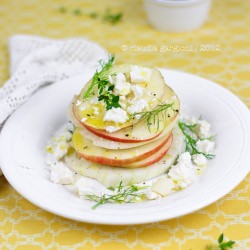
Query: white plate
(26, 133)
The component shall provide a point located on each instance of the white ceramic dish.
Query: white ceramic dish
(23, 140)
(177, 15)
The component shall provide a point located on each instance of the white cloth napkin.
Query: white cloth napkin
(36, 61)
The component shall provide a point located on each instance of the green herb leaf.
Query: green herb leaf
(62, 9)
(93, 15)
(154, 116)
(104, 87)
(221, 244)
(77, 12)
(112, 18)
(191, 139)
(111, 87)
(115, 99)
(100, 78)
(121, 195)
(226, 245)
(220, 239)
(209, 247)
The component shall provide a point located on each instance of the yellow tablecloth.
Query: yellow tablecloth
(220, 52)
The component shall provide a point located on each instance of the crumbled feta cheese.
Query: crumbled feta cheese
(137, 90)
(137, 106)
(152, 195)
(82, 107)
(86, 186)
(140, 74)
(203, 128)
(120, 77)
(67, 135)
(184, 172)
(192, 120)
(111, 129)
(199, 160)
(121, 86)
(60, 149)
(122, 102)
(137, 117)
(110, 79)
(179, 178)
(117, 115)
(78, 102)
(163, 186)
(61, 174)
(70, 127)
(94, 100)
(185, 158)
(96, 110)
(59, 145)
(123, 105)
(122, 98)
(205, 146)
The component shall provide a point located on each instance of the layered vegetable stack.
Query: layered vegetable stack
(123, 118)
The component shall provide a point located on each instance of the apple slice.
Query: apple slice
(140, 132)
(110, 144)
(112, 176)
(105, 143)
(91, 112)
(132, 134)
(120, 158)
(154, 157)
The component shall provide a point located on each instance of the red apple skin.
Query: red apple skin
(122, 162)
(153, 158)
(111, 137)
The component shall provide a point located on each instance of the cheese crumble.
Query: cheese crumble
(116, 115)
(140, 74)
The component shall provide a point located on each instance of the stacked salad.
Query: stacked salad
(124, 133)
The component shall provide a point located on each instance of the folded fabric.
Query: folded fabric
(36, 61)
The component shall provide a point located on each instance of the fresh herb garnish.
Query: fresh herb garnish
(77, 12)
(121, 195)
(222, 245)
(191, 139)
(62, 9)
(105, 87)
(153, 117)
(107, 16)
(111, 100)
(112, 18)
(100, 78)
(93, 15)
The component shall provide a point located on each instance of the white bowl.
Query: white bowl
(177, 15)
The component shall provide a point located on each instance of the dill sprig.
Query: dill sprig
(153, 117)
(112, 18)
(62, 9)
(100, 78)
(191, 139)
(108, 16)
(121, 195)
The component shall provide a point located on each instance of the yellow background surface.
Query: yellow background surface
(24, 226)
